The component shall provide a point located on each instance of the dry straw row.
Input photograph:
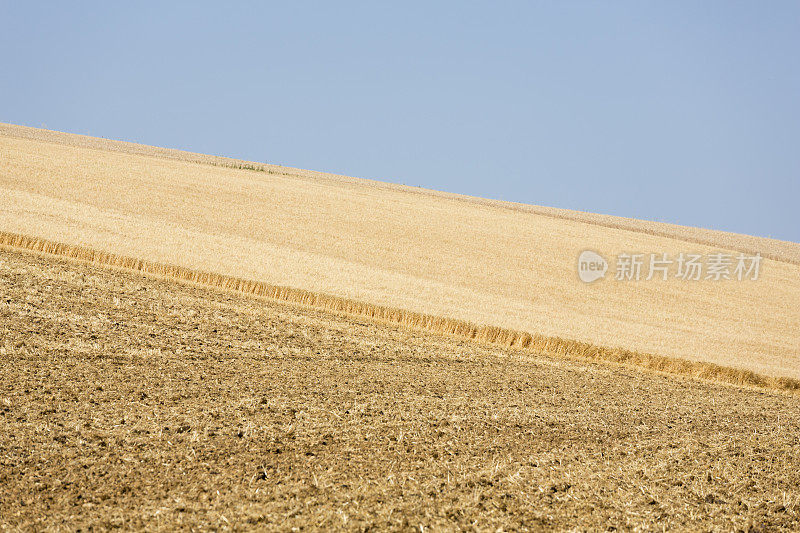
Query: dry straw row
(507, 338)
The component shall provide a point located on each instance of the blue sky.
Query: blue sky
(684, 112)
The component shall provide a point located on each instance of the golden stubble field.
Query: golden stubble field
(490, 263)
(135, 403)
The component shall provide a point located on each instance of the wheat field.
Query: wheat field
(450, 259)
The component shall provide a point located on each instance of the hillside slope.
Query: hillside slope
(128, 402)
(487, 262)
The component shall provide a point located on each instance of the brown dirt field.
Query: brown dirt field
(138, 403)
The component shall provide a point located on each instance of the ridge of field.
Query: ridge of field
(141, 404)
(506, 338)
(391, 246)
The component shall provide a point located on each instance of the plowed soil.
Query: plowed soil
(139, 403)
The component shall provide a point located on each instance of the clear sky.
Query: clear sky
(685, 112)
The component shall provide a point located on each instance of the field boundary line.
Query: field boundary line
(491, 335)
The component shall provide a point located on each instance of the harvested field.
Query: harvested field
(489, 263)
(133, 402)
